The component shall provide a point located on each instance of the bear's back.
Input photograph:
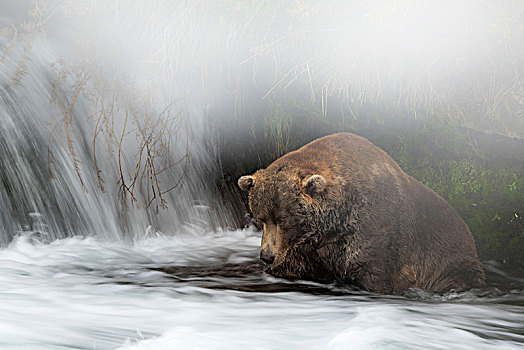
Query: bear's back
(343, 152)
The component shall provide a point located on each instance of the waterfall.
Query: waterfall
(48, 191)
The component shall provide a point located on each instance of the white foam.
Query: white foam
(92, 294)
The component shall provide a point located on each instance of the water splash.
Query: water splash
(207, 289)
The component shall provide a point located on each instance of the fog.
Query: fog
(124, 126)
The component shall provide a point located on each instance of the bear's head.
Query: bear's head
(284, 205)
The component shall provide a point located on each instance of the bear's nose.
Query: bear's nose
(267, 257)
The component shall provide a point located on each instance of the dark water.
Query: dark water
(206, 289)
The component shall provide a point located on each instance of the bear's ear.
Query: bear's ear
(314, 184)
(246, 182)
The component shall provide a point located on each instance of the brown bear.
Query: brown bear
(341, 209)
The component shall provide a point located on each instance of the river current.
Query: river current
(204, 289)
(78, 272)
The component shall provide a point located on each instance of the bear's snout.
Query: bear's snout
(267, 256)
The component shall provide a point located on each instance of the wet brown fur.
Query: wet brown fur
(369, 224)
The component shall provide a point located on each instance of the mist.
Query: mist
(125, 126)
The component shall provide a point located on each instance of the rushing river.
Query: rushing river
(207, 290)
(70, 278)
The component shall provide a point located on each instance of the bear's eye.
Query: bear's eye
(263, 218)
(257, 222)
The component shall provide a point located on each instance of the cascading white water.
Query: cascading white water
(67, 204)
(76, 271)
(30, 199)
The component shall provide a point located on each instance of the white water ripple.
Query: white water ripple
(206, 290)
